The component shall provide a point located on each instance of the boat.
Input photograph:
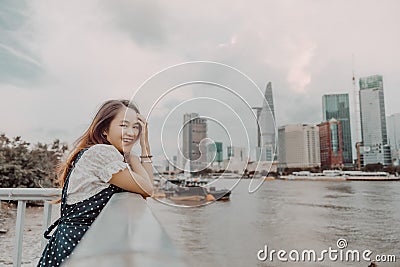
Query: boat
(188, 189)
(222, 194)
(195, 190)
(187, 198)
(268, 178)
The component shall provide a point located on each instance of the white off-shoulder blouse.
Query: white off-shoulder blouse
(93, 172)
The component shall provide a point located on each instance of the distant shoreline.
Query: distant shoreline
(338, 178)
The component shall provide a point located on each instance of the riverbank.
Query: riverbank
(337, 178)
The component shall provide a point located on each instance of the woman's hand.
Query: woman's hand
(146, 154)
(144, 135)
(134, 161)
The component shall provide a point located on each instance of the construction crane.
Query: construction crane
(357, 118)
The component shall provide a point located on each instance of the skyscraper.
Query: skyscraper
(237, 153)
(336, 106)
(237, 159)
(194, 132)
(215, 153)
(373, 121)
(331, 144)
(299, 146)
(266, 150)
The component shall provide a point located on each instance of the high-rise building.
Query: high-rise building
(215, 153)
(376, 148)
(237, 153)
(266, 141)
(299, 146)
(393, 127)
(336, 106)
(194, 132)
(331, 143)
(237, 159)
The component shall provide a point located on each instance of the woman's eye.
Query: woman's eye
(124, 125)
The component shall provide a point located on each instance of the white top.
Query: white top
(93, 171)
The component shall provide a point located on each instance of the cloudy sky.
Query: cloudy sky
(60, 60)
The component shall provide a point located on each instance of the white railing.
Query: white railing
(22, 195)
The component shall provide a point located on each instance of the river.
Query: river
(281, 215)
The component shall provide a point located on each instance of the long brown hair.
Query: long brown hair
(94, 134)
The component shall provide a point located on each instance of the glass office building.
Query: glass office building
(336, 106)
(373, 121)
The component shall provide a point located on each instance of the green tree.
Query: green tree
(24, 166)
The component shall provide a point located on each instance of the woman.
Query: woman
(100, 165)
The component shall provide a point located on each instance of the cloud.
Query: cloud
(20, 55)
(64, 59)
(299, 75)
(144, 21)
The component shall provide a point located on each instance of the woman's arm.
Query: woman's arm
(147, 163)
(135, 180)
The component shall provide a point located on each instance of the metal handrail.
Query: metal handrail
(22, 195)
(126, 233)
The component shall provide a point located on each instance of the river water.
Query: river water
(288, 215)
(282, 215)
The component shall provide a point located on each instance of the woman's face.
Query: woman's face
(123, 130)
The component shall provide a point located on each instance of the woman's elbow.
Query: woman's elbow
(148, 192)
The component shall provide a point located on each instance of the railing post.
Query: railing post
(19, 232)
(46, 220)
(22, 195)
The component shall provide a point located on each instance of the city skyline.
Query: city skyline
(333, 106)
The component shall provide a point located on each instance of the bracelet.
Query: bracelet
(148, 156)
(146, 161)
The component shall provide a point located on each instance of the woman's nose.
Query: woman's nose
(130, 131)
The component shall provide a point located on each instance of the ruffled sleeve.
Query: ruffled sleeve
(104, 161)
